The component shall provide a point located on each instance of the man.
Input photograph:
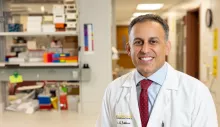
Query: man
(155, 95)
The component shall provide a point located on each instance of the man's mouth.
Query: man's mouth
(146, 59)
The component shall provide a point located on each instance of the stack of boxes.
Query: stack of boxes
(60, 58)
(44, 102)
(34, 23)
(48, 25)
(59, 17)
(64, 19)
(71, 15)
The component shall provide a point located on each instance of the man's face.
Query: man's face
(148, 47)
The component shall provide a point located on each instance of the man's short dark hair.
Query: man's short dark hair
(150, 17)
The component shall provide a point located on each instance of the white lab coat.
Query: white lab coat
(183, 101)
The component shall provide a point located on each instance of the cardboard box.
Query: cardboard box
(71, 42)
(71, 38)
(73, 45)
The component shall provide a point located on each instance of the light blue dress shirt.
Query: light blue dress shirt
(158, 79)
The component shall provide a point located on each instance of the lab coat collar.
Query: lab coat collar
(129, 82)
(171, 79)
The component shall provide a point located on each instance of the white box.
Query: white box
(58, 9)
(16, 60)
(34, 19)
(71, 16)
(33, 25)
(34, 29)
(70, 11)
(48, 28)
(71, 24)
(70, 29)
(59, 19)
(35, 59)
(73, 101)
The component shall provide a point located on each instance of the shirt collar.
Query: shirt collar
(158, 77)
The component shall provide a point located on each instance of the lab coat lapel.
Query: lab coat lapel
(163, 98)
(131, 98)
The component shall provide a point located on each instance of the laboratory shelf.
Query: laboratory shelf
(69, 33)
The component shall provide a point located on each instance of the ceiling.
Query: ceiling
(125, 8)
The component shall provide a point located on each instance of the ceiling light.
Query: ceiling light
(42, 9)
(149, 6)
(136, 14)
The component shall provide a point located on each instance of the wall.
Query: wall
(171, 19)
(99, 13)
(206, 43)
(114, 24)
(207, 50)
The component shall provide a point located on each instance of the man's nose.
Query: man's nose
(145, 47)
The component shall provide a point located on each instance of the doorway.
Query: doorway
(122, 38)
(192, 42)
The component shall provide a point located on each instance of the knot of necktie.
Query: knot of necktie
(145, 83)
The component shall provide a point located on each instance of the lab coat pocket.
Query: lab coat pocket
(176, 118)
(123, 115)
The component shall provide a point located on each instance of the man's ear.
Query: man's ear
(168, 47)
(128, 49)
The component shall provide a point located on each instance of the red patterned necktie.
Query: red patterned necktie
(143, 106)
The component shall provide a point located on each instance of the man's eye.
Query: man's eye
(153, 41)
(138, 42)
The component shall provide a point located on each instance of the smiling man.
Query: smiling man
(155, 94)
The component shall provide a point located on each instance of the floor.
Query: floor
(47, 119)
(53, 119)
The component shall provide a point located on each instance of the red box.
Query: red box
(49, 106)
(63, 102)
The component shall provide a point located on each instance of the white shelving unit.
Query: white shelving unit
(72, 33)
(36, 71)
(41, 64)
(48, 64)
